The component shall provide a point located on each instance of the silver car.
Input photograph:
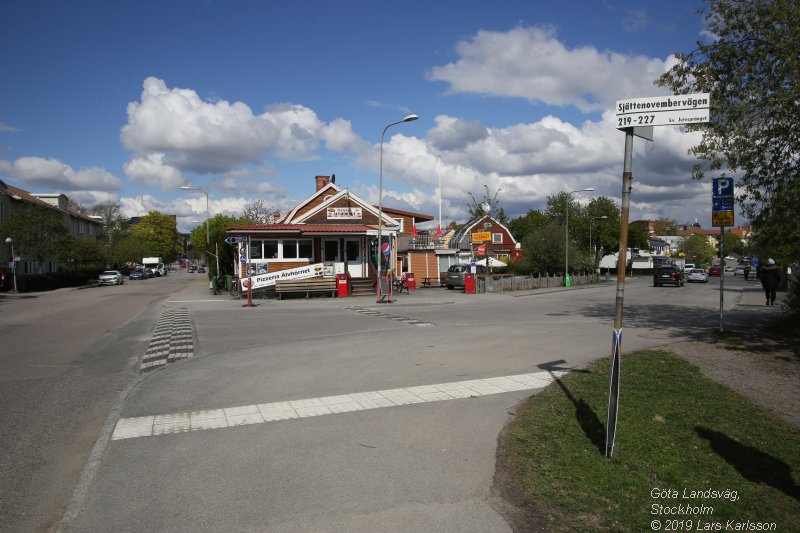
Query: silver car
(111, 277)
(697, 274)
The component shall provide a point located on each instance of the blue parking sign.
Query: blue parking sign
(722, 187)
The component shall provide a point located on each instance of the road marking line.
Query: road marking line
(166, 424)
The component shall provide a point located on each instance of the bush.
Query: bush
(51, 281)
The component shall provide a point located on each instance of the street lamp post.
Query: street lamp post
(10, 241)
(407, 118)
(208, 239)
(566, 233)
(590, 231)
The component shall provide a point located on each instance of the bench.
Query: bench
(426, 282)
(306, 286)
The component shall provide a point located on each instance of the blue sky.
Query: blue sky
(252, 99)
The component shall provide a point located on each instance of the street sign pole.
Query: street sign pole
(622, 262)
(636, 117)
(721, 277)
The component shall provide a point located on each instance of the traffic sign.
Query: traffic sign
(243, 259)
(722, 187)
(721, 218)
(235, 240)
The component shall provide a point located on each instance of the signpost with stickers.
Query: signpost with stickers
(636, 117)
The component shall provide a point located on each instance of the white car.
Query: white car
(111, 277)
(697, 274)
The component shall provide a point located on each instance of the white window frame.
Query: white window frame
(497, 238)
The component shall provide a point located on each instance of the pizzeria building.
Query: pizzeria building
(333, 231)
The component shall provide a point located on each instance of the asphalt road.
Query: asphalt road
(66, 357)
(426, 465)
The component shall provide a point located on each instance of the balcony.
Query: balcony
(422, 242)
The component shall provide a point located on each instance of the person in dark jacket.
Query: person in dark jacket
(770, 275)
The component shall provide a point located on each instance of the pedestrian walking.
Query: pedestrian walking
(747, 273)
(770, 276)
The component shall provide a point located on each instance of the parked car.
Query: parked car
(201, 270)
(138, 273)
(739, 270)
(689, 266)
(111, 277)
(668, 274)
(455, 275)
(191, 268)
(714, 271)
(697, 274)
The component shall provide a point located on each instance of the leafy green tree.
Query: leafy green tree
(604, 231)
(525, 225)
(129, 249)
(697, 249)
(638, 237)
(39, 233)
(752, 70)
(161, 232)
(733, 244)
(665, 226)
(543, 250)
(86, 253)
(217, 244)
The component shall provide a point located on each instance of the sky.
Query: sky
(248, 100)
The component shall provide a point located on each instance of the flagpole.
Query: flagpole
(439, 172)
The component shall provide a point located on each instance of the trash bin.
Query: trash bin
(412, 283)
(343, 284)
(469, 283)
(228, 282)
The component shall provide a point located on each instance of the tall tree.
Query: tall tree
(665, 226)
(525, 225)
(697, 249)
(218, 246)
(39, 233)
(258, 212)
(751, 69)
(161, 232)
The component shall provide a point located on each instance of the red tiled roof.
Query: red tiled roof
(301, 228)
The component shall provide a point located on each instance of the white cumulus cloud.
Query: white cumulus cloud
(531, 63)
(54, 175)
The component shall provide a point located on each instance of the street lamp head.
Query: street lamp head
(590, 189)
(9, 240)
(410, 118)
(185, 188)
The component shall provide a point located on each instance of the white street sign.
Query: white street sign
(663, 110)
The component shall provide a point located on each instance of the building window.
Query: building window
(305, 249)
(270, 249)
(497, 238)
(256, 251)
(290, 249)
(295, 249)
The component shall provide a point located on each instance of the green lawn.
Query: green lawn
(678, 432)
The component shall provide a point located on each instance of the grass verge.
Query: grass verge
(677, 432)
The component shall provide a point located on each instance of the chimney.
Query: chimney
(322, 181)
(276, 216)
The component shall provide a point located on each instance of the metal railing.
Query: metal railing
(421, 242)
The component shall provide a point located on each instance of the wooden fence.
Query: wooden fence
(509, 282)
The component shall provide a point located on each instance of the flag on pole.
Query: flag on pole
(438, 230)
(414, 230)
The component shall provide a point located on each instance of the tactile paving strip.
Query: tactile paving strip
(172, 339)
